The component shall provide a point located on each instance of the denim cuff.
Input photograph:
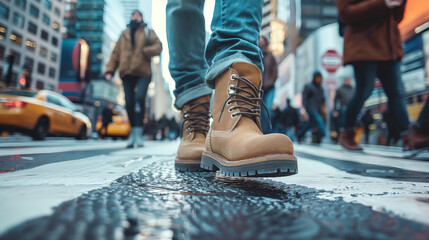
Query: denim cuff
(191, 94)
(221, 66)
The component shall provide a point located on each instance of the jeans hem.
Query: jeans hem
(222, 65)
(191, 94)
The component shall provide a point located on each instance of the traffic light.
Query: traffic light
(27, 74)
(22, 81)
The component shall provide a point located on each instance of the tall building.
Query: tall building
(98, 22)
(315, 14)
(144, 6)
(31, 30)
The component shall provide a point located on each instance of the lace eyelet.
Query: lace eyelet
(228, 103)
(233, 76)
(230, 109)
(233, 115)
(230, 90)
(189, 133)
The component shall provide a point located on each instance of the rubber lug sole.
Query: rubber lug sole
(269, 166)
(188, 166)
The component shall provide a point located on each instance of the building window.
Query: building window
(3, 31)
(41, 68)
(4, 11)
(18, 20)
(29, 63)
(44, 34)
(43, 51)
(48, 4)
(16, 38)
(21, 3)
(57, 11)
(52, 72)
(55, 26)
(17, 59)
(40, 84)
(54, 41)
(31, 45)
(53, 57)
(2, 50)
(34, 11)
(32, 27)
(46, 19)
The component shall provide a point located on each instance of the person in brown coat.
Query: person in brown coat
(132, 56)
(269, 78)
(372, 44)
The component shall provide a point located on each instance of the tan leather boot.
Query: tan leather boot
(347, 140)
(235, 143)
(195, 117)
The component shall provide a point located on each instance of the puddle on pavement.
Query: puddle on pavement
(159, 203)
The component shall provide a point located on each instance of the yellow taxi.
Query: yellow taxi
(40, 113)
(119, 127)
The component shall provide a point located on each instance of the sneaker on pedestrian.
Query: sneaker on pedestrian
(347, 140)
(138, 136)
(235, 143)
(196, 123)
(131, 139)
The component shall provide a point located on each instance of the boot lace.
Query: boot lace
(199, 119)
(247, 104)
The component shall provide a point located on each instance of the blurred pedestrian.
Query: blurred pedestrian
(367, 120)
(393, 134)
(313, 100)
(343, 96)
(372, 44)
(132, 56)
(269, 78)
(106, 118)
(419, 134)
(289, 120)
(235, 138)
(173, 129)
(150, 128)
(162, 125)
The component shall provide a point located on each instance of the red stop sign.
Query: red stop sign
(331, 61)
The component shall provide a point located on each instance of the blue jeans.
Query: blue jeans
(135, 89)
(235, 32)
(265, 121)
(390, 77)
(315, 120)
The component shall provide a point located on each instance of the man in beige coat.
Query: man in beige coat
(132, 56)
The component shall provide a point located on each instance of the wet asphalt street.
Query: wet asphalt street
(137, 194)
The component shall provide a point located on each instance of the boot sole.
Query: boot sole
(188, 166)
(275, 165)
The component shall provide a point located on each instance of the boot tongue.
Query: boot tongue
(249, 71)
(204, 108)
(253, 74)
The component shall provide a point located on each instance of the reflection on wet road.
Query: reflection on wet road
(158, 203)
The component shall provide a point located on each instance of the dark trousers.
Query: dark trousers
(423, 120)
(314, 120)
(390, 77)
(135, 89)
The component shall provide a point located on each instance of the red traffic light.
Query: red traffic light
(22, 81)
